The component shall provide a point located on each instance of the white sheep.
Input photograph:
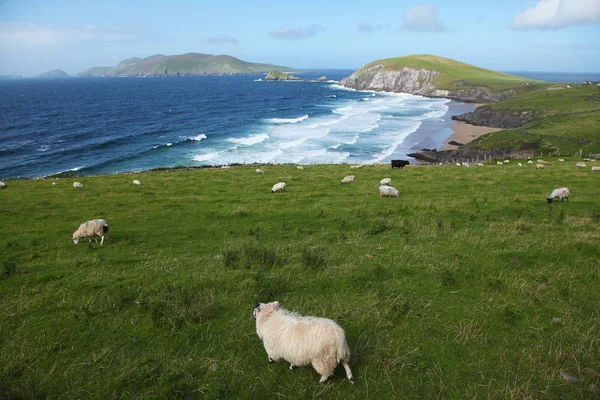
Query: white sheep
(500, 163)
(561, 160)
(560, 193)
(480, 164)
(2, 185)
(302, 340)
(595, 168)
(89, 229)
(539, 166)
(348, 179)
(225, 167)
(278, 187)
(529, 162)
(458, 164)
(388, 191)
(78, 185)
(580, 164)
(506, 161)
(466, 164)
(385, 182)
(55, 183)
(540, 161)
(519, 164)
(136, 182)
(259, 171)
(300, 167)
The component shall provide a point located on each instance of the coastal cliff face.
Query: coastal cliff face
(487, 116)
(419, 82)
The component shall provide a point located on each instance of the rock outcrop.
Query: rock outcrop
(420, 82)
(280, 76)
(503, 118)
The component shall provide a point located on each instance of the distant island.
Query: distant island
(190, 64)
(280, 76)
(55, 73)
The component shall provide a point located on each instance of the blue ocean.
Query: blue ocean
(112, 125)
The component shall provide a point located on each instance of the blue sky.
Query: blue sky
(507, 35)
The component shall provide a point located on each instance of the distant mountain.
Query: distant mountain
(189, 64)
(95, 71)
(55, 73)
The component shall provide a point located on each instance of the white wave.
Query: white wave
(287, 120)
(258, 80)
(206, 157)
(76, 168)
(169, 144)
(335, 146)
(250, 140)
(43, 148)
(366, 98)
(332, 96)
(198, 138)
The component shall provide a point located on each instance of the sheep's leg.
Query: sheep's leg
(348, 372)
(291, 367)
(323, 369)
(102, 241)
(271, 361)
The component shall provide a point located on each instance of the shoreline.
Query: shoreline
(465, 133)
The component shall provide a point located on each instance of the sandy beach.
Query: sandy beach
(464, 133)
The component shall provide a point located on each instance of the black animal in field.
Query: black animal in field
(400, 163)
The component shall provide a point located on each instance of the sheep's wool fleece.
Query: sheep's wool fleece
(388, 191)
(278, 187)
(560, 193)
(302, 340)
(88, 229)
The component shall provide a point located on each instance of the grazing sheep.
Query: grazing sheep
(595, 168)
(89, 229)
(500, 163)
(348, 179)
(466, 164)
(225, 167)
(259, 171)
(300, 167)
(547, 163)
(136, 182)
(561, 160)
(55, 183)
(480, 164)
(278, 187)
(506, 161)
(302, 340)
(385, 182)
(2, 185)
(519, 164)
(539, 166)
(560, 193)
(458, 164)
(540, 161)
(78, 185)
(388, 191)
(529, 162)
(580, 164)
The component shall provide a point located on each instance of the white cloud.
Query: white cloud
(423, 19)
(284, 33)
(557, 14)
(221, 39)
(368, 27)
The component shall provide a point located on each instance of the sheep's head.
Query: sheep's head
(75, 238)
(549, 200)
(264, 309)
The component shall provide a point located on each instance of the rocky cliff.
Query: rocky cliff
(280, 76)
(503, 118)
(420, 82)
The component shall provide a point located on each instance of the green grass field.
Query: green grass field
(467, 286)
(564, 121)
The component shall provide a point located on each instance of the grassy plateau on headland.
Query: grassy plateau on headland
(467, 286)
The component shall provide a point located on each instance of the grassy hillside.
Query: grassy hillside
(467, 286)
(188, 64)
(95, 72)
(565, 121)
(455, 74)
